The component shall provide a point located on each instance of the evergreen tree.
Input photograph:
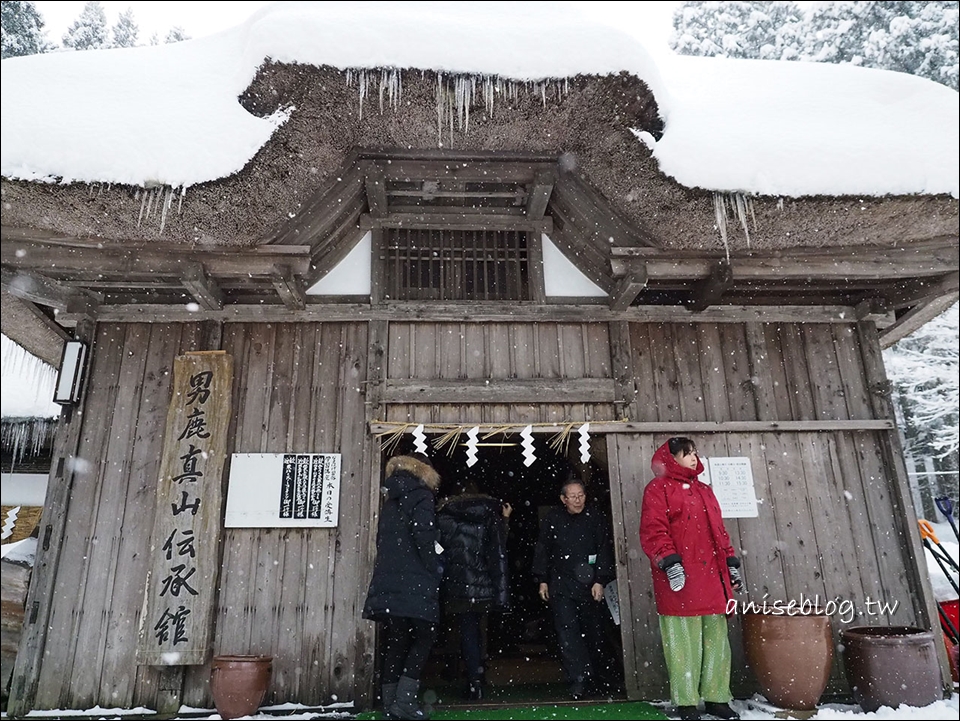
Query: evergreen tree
(21, 28)
(920, 38)
(125, 31)
(176, 35)
(89, 31)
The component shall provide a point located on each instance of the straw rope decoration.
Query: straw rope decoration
(448, 441)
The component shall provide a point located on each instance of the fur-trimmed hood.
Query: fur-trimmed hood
(415, 467)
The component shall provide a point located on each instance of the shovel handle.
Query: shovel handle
(945, 505)
(926, 530)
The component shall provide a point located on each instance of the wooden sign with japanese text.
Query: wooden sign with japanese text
(176, 627)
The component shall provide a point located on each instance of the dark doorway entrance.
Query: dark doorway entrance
(522, 659)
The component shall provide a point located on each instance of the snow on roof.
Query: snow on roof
(169, 115)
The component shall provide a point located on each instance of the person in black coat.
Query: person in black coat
(573, 562)
(404, 593)
(473, 533)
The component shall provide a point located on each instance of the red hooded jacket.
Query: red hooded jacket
(680, 517)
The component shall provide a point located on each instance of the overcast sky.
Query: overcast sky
(649, 21)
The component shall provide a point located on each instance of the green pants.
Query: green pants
(697, 650)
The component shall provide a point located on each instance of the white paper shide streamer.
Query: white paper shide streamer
(529, 456)
(584, 442)
(472, 445)
(419, 440)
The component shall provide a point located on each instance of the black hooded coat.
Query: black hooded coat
(473, 536)
(406, 574)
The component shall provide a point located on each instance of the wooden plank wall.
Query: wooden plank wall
(296, 594)
(826, 527)
(292, 593)
(95, 607)
(456, 351)
(826, 524)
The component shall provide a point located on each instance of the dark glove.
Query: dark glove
(736, 578)
(676, 576)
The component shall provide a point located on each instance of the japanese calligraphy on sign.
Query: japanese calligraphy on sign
(176, 627)
(732, 481)
(274, 490)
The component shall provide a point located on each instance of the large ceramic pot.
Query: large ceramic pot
(891, 665)
(239, 683)
(791, 656)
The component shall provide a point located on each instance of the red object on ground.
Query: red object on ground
(952, 611)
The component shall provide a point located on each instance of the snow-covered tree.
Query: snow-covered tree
(920, 38)
(21, 27)
(89, 31)
(177, 34)
(925, 371)
(125, 32)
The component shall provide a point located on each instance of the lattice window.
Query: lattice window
(456, 265)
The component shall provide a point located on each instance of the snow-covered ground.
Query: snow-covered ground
(946, 709)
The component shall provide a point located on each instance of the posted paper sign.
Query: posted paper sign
(732, 481)
(282, 490)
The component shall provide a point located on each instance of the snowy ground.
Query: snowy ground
(947, 709)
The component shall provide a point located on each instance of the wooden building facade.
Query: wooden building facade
(769, 351)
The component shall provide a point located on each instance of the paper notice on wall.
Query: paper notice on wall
(732, 481)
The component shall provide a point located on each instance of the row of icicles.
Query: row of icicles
(455, 93)
(455, 96)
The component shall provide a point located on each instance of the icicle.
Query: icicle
(742, 215)
(720, 211)
(167, 202)
(363, 90)
(143, 203)
(439, 109)
(183, 192)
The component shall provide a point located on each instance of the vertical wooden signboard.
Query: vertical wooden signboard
(176, 624)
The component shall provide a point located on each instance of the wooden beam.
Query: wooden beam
(289, 289)
(911, 321)
(155, 259)
(780, 269)
(876, 311)
(667, 428)
(471, 312)
(476, 171)
(710, 290)
(35, 288)
(540, 191)
(429, 220)
(203, 288)
(931, 258)
(628, 288)
(81, 309)
(500, 390)
(923, 290)
(376, 186)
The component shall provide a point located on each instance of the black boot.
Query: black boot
(475, 690)
(388, 697)
(406, 705)
(688, 713)
(720, 710)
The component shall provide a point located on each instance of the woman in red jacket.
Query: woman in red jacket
(695, 571)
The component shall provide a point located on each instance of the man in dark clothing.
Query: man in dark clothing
(573, 561)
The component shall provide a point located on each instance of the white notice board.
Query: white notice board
(732, 481)
(281, 490)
